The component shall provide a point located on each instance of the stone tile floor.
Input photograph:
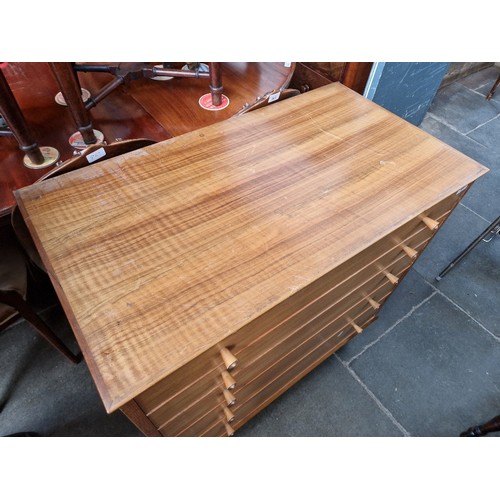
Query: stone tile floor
(430, 365)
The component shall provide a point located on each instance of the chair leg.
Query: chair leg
(493, 89)
(70, 88)
(492, 425)
(216, 88)
(16, 301)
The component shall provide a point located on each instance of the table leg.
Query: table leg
(492, 425)
(70, 88)
(215, 69)
(493, 89)
(13, 116)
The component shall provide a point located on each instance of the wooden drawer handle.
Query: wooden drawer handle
(229, 429)
(229, 414)
(410, 252)
(230, 399)
(393, 279)
(374, 303)
(229, 360)
(430, 223)
(229, 382)
(355, 326)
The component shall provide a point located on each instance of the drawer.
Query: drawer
(284, 380)
(187, 407)
(279, 384)
(252, 377)
(334, 302)
(337, 334)
(204, 372)
(271, 357)
(205, 376)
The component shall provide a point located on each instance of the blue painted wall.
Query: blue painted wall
(406, 89)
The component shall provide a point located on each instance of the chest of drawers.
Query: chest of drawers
(206, 275)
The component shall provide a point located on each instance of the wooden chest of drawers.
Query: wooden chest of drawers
(205, 275)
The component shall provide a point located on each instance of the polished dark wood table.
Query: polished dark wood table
(157, 110)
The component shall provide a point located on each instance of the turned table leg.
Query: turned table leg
(493, 89)
(70, 88)
(492, 425)
(216, 88)
(13, 116)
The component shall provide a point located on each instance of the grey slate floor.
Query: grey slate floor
(429, 366)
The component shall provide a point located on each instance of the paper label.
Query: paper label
(273, 97)
(92, 157)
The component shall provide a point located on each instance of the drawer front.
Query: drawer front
(305, 364)
(336, 334)
(199, 384)
(283, 381)
(252, 377)
(271, 347)
(335, 301)
(204, 372)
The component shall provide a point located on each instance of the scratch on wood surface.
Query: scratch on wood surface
(137, 152)
(249, 151)
(389, 163)
(355, 144)
(117, 170)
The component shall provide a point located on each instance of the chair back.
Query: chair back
(269, 98)
(90, 155)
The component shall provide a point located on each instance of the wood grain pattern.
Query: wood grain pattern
(35, 87)
(160, 254)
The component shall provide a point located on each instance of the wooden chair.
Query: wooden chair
(92, 154)
(16, 243)
(269, 98)
(276, 95)
(13, 292)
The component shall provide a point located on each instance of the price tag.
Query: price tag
(92, 157)
(273, 97)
